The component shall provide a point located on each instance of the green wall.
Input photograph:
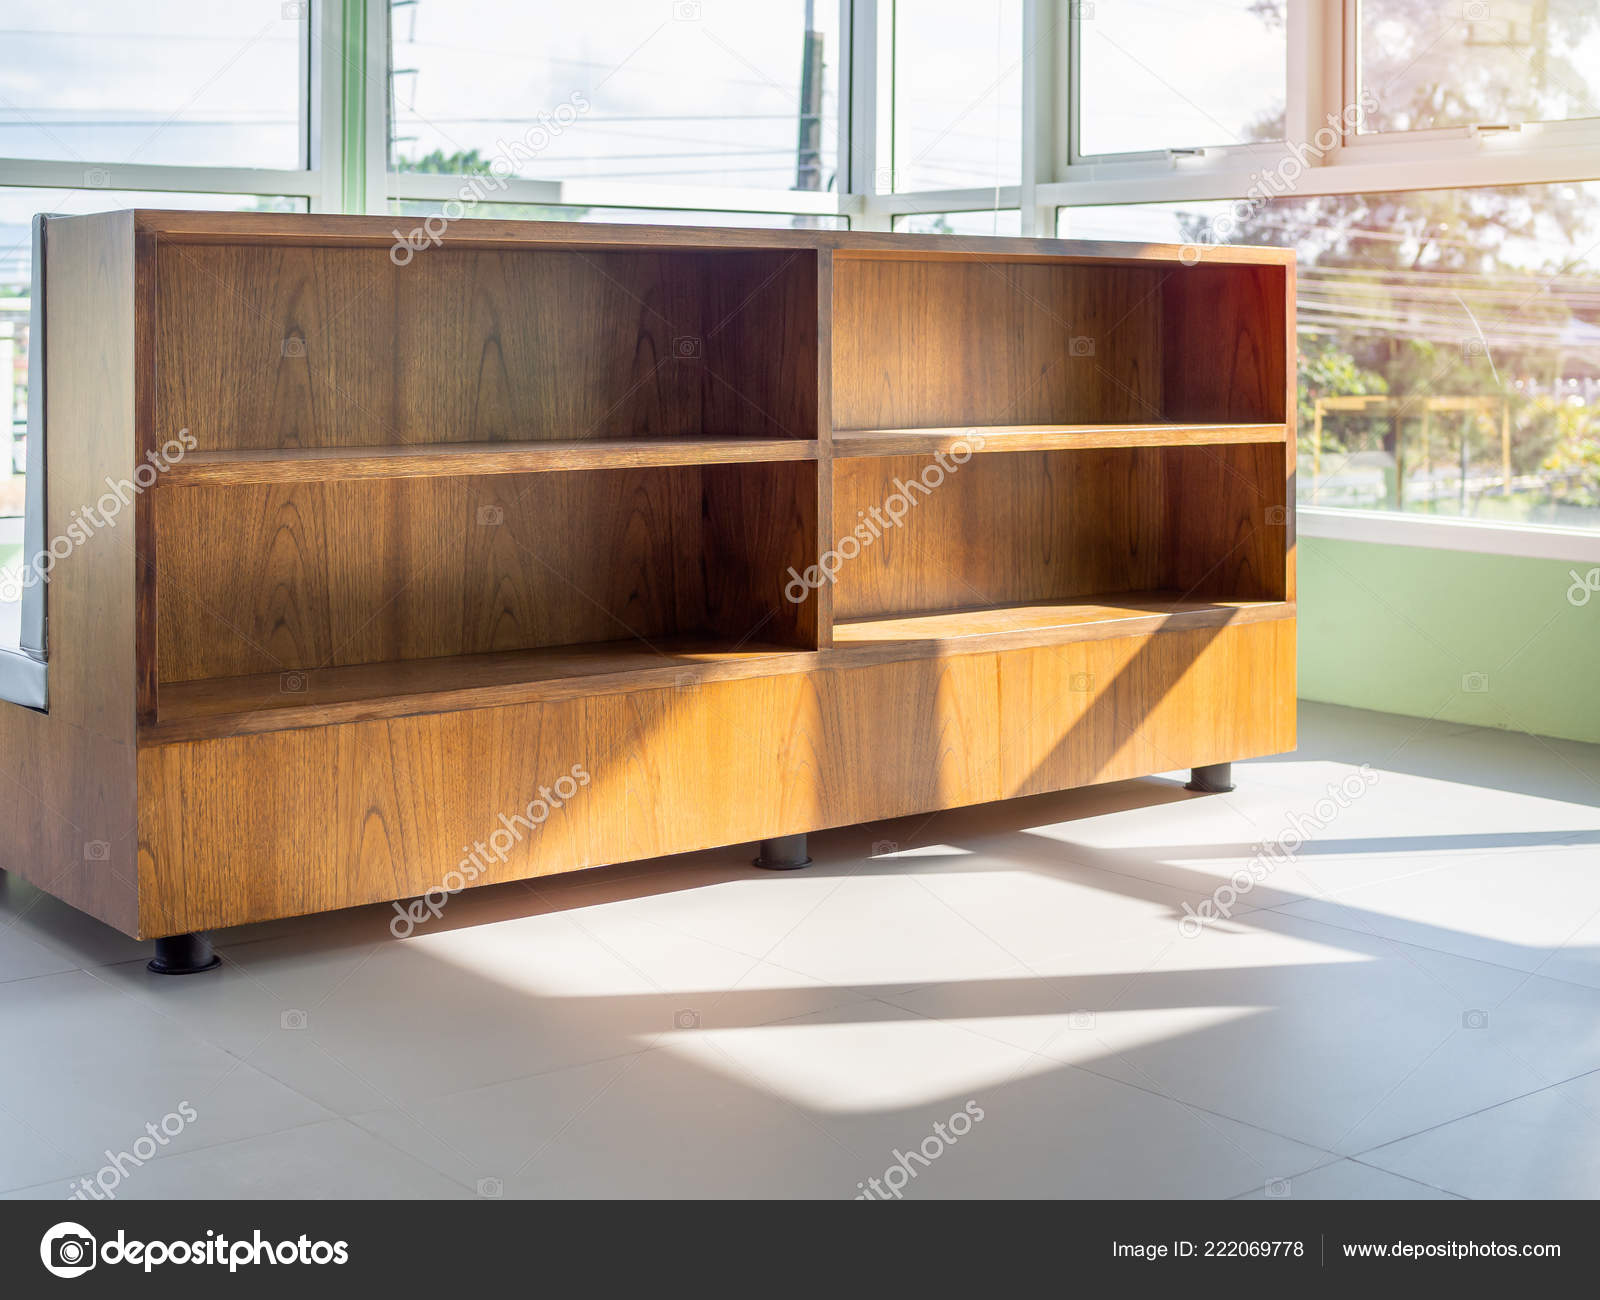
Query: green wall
(1400, 628)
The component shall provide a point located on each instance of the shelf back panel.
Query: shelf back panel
(941, 343)
(262, 345)
(1028, 526)
(1208, 522)
(266, 578)
(1224, 351)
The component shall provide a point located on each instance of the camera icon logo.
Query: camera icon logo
(294, 347)
(294, 1019)
(68, 1250)
(491, 1189)
(1277, 1188)
(1080, 346)
(686, 1020)
(881, 848)
(1475, 1019)
(97, 851)
(686, 348)
(491, 516)
(293, 683)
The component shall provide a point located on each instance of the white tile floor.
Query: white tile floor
(1406, 1006)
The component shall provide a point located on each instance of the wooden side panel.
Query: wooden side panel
(383, 809)
(67, 778)
(932, 344)
(1108, 710)
(1016, 527)
(263, 578)
(1225, 344)
(284, 346)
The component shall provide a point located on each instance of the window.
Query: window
(667, 92)
(1449, 342)
(1440, 63)
(626, 216)
(957, 94)
(184, 82)
(1157, 75)
(1004, 221)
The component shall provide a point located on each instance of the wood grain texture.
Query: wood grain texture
(1106, 710)
(399, 488)
(1225, 344)
(758, 523)
(269, 346)
(228, 825)
(935, 344)
(67, 797)
(229, 706)
(236, 706)
(1007, 529)
(1228, 522)
(450, 459)
(990, 439)
(1005, 627)
(320, 229)
(314, 575)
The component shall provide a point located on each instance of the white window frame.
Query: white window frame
(318, 182)
(346, 145)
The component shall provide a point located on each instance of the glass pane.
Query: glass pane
(1434, 63)
(664, 91)
(625, 216)
(189, 82)
(1157, 75)
(1003, 221)
(957, 94)
(1449, 355)
(17, 207)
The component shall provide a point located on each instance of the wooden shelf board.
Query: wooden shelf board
(1047, 437)
(233, 706)
(427, 460)
(238, 706)
(1003, 627)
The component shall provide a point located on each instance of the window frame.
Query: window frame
(317, 180)
(346, 77)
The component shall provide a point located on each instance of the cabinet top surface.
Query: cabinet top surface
(466, 232)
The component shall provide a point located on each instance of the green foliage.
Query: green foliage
(1326, 370)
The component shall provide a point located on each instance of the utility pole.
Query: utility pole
(808, 160)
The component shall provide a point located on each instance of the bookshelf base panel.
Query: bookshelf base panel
(422, 806)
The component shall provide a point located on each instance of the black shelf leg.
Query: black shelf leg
(1214, 778)
(783, 854)
(184, 954)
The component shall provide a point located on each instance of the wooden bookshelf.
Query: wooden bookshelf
(693, 510)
